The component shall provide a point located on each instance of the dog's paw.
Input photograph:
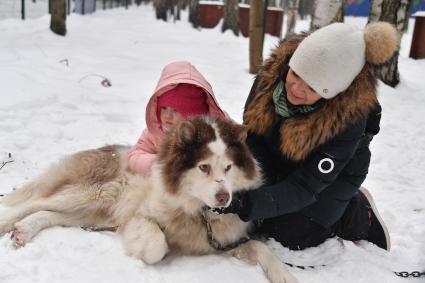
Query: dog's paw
(21, 234)
(149, 251)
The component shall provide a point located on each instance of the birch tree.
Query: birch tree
(291, 18)
(231, 16)
(58, 17)
(395, 12)
(326, 12)
(256, 31)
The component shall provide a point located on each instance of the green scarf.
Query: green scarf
(284, 108)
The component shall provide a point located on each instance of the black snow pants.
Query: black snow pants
(298, 232)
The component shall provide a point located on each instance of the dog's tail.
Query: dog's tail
(43, 186)
(18, 196)
(87, 166)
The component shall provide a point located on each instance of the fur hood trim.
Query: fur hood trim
(300, 135)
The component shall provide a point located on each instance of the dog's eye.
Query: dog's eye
(228, 167)
(204, 168)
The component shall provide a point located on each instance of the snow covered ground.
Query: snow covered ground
(52, 104)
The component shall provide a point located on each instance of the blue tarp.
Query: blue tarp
(357, 8)
(362, 7)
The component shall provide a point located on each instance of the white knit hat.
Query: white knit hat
(329, 59)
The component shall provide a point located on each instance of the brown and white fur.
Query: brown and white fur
(201, 163)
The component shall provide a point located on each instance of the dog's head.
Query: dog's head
(205, 160)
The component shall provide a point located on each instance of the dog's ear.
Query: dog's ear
(186, 132)
(241, 132)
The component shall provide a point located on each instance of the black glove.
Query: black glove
(240, 205)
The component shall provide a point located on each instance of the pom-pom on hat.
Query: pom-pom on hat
(329, 59)
(187, 99)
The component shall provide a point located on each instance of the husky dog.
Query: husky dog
(201, 163)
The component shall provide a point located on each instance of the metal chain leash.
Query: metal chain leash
(406, 274)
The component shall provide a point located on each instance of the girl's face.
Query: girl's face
(169, 117)
(298, 92)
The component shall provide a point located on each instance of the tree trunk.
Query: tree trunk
(391, 11)
(395, 12)
(139, 2)
(231, 16)
(161, 8)
(339, 17)
(256, 30)
(291, 17)
(194, 13)
(177, 7)
(305, 8)
(326, 12)
(58, 18)
(183, 4)
(280, 3)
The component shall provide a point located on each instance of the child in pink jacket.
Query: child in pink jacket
(181, 92)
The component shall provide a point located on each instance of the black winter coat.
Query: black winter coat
(313, 163)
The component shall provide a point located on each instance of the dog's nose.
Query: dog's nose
(222, 197)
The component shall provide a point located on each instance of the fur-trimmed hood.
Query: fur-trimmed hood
(300, 135)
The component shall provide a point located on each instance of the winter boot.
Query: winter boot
(378, 232)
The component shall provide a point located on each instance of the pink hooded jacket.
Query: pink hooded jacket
(142, 155)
